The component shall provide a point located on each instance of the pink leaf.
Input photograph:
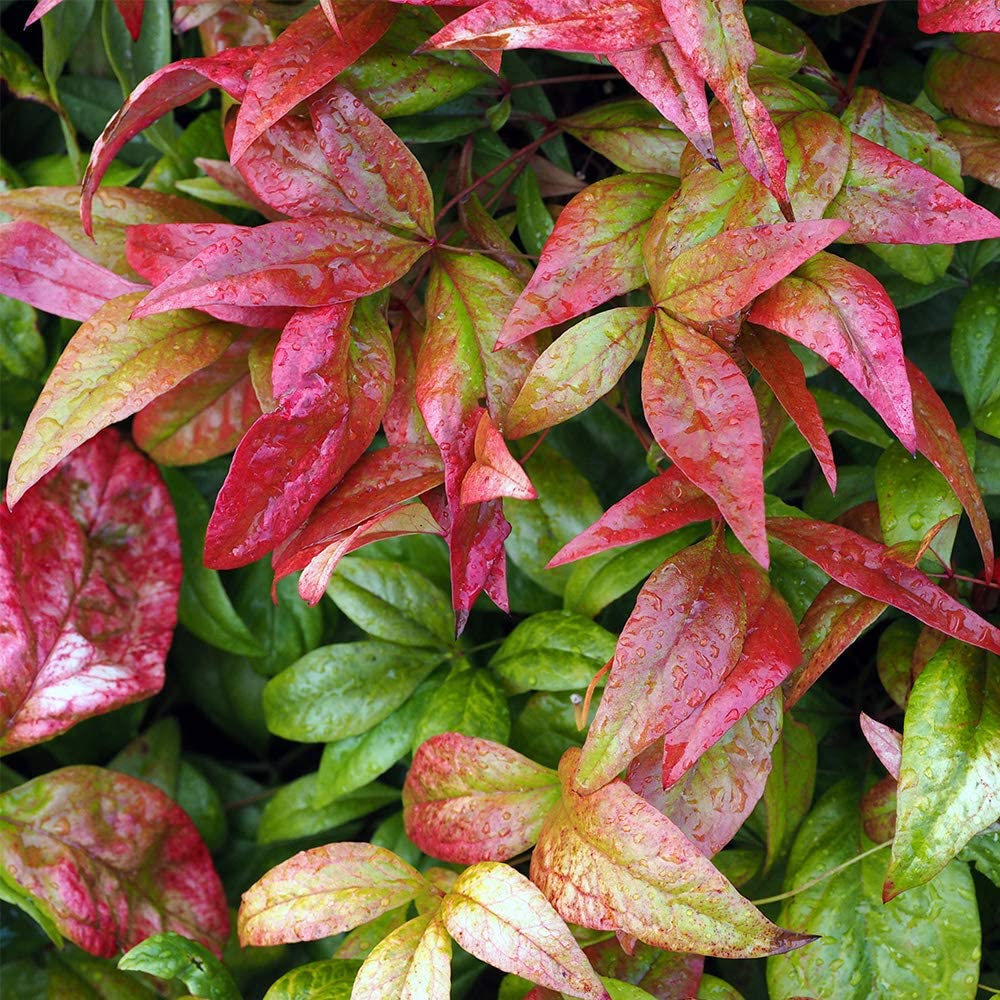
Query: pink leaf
(467, 800)
(495, 472)
(841, 312)
(89, 576)
(885, 741)
(958, 15)
(111, 860)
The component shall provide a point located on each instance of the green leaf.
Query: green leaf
(869, 949)
(11, 892)
(170, 956)
(712, 988)
(393, 602)
(534, 223)
(546, 726)
(22, 350)
(291, 813)
(198, 798)
(204, 607)
(984, 852)
(470, 702)
(332, 979)
(76, 975)
(21, 75)
(155, 756)
(343, 690)
(949, 779)
(552, 651)
(975, 353)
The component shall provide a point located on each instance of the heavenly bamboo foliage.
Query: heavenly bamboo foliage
(653, 366)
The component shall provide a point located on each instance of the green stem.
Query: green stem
(820, 878)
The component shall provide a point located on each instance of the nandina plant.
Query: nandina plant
(498, 494)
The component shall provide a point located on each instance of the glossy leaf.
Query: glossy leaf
(495, 473)
(592, 255)
(469, 702)
(467, 800)
(111, 860)
(975, 354)
(653, 883)
(496, 914)
(411, 963)
(885, 742)
(949, 775)
(325, 890)
(702, 413)
(90, 573)
(169, 956)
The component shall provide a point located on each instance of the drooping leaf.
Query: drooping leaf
(325, 890)
(110, 859)
(468, 800)
(168, 955)
(411, 963)
(90, 573)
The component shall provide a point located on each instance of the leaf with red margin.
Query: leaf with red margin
(413, 962)
(957, 15)
(592, 255)
(495, 472)
(496, 914)
(307, 55)
(702, 413)
(162, 91)
(308, 262)
(131, 12)
(770, 653)
(37, 267)
(90, 570)
(873, 570)
(610, 861)
(372, 165)
(111, 368)
(886, 743)
(205, 415)
(377, 482)
(938, 441)
(582, 365)
(467, 800)
(681, 640)
(783, 372)
(324, 891)
(599, 27)
(715, 37)
(666, 78)
(332, 377)
(666, 975)
(111, 860)
(725, 273)
(664, 504)
(841, 312)
(887, 199)
(711, 801)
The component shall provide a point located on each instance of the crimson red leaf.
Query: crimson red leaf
(167, 88)
(37, 267)
(467, 800)
(110, 860)
(784, 374)
(112, 367)
(592, 255)
(664, 504)
(683, 637)
(938, 440)
(702, 413)
(873, 570)
(888, 199)
(89, 576)
(885, 741)
(495, 472)
(131, 12)
(332, 375)
(958, 15)
(304, 262)
(307, 55)
(841, 312)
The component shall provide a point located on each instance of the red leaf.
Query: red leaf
(702, 413)
(89, 576)
(887, 199)
(160, 92)
(938, 441)
(37, 267)
(309, 262)
(403, 423)
(332, 376)
(683, 637)
(495, 473)
(131, 12)
(664, 504)
(467, 800)
(873, 570)
(601, 26)
(307, 55)
(841, 312)
(111, 860)
(784, 374)
(379, 174)
(592, 255)
(958, 15)
(885, 741)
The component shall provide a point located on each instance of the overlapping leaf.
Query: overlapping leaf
(413, 962)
